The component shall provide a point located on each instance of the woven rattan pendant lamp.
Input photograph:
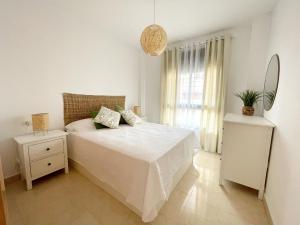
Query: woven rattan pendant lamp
(154, 38)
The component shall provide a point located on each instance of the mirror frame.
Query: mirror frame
(278, 75)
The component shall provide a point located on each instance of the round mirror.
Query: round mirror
(271, 82)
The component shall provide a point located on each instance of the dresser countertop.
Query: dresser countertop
(250, 120)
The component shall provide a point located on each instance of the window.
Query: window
(190, 88)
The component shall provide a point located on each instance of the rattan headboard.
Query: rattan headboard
(77, 107)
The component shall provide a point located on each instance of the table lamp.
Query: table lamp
(40, 123)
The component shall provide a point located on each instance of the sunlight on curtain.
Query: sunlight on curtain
(169, 86)
(213, 95)
(182, 82)
(190, 87)
(193, 85)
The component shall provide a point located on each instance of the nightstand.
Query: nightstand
(40, 155)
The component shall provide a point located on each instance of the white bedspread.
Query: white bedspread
(139, 162)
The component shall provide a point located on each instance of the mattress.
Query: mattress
(139, 162)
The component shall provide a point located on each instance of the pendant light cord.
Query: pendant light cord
(154, 5)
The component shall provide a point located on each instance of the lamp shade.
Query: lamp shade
(154, 40)
(40, 122)
(137, 110)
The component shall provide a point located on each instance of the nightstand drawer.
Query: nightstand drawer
(45, 149)
(45, 166)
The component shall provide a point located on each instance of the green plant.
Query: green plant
(249, 97)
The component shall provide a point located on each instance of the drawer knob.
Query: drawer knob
(47, 149)
(49, 164)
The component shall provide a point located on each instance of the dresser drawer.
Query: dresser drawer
(45, 149)
(45, 166)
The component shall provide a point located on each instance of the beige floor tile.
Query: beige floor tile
(198, 199)
(85, 219)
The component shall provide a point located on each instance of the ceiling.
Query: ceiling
(181, 18)
(126, 19)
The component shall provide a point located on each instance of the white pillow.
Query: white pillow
(81, 125)
(108, 117)
(130, 117)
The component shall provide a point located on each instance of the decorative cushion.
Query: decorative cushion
(108, 117)
(130, 117)
(119, 109)
(97, 125)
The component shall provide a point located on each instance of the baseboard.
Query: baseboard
(268, 211)
(13, 178)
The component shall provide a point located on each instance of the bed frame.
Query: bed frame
(78, 107)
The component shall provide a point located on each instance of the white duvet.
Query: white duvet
(139, 162)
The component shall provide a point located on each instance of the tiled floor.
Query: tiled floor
(197, 200)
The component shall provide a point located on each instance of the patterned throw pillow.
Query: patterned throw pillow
(108, 117)
(97, 125)
(130, 117)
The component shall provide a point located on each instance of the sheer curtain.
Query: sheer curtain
(214, 93)
(190, 86)
(193, 82)
(169, 76)
(182, 86)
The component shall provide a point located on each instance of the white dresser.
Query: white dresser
(40, 155)
(246, 147)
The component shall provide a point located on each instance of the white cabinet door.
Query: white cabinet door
(245, 151)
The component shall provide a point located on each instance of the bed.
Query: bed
(140, 166)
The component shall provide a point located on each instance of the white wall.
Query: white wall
(283, 184)
(259, 43)
(47, 50)
(238, 68)
(248, 61)
(151, 77)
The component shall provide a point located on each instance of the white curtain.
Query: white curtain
(182, 86)
(216, 57)
(190, 86)
(193, 84)
(169, 75)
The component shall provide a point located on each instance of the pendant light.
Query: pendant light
(154, 38)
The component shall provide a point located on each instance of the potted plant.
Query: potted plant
(249, 98)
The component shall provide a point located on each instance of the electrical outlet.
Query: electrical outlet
(27, 123)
